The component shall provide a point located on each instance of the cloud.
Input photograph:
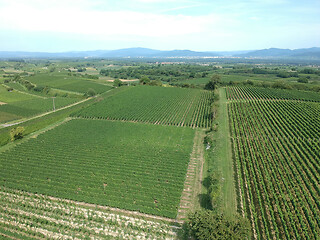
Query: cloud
(104, 23)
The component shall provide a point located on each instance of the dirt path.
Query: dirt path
(193, 183)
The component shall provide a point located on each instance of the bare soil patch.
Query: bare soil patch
(125, 80)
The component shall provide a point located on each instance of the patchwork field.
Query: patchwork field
(277, 146)
(158, 105)
(125, 165)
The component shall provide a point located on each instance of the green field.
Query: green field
(277, 146)
(158, 105)
(61, 219)
(236, 93)
(126, 165)
(13, 96)
(66, 82)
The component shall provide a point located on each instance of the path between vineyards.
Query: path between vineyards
(190, 197)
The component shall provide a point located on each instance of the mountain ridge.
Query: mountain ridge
(139, 52)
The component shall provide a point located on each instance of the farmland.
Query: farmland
(168, 106)
(20, 105)
(138, 159)
(37, 216)
(238, 93)
(276, 146)
(90, 165)
(67, 82)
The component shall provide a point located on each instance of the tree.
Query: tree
(207, 225)
(303, 80)
(91, 92)
(117, 83)
(16, 133)
(155, 83)
(214, 81)
(144, 80)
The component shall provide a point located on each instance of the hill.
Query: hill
(283, 53)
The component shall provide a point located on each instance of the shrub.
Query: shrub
(207, 225)
(16, 133)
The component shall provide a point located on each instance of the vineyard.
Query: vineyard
(33, 216)
(31, 107)
(131, 166)
(158, 105)
(66, 82)
(277, 154)
(255, 93)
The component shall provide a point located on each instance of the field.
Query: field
(20, 105)
(66, 82)
(31, 216)
(84, 160)
(158, 105)
(277, 145)
(238, 93)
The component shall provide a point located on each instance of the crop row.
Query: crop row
(126, 165)
(158, 105)
(277, 156)
(26, 215)
(255, 93)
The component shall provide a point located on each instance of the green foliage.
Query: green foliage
(214, 190)
(144, 80)
(155, 83)
(213, 83)
(303, 80)
(91, 92)
(117, 83)
(16, 133)
(207, 225)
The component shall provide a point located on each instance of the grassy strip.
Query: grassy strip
(218, 168)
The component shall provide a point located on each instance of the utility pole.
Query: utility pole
(54, 107)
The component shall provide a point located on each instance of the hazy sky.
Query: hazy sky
(202, 25)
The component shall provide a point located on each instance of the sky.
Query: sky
(199, 25)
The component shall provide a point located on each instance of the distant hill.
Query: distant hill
(120, 53)
(283, 53)
(308, 53)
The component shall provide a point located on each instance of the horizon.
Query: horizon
(241, 50)
(197, 25)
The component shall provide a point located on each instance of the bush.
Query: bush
(16, 133)
(117, 83)
(91, 92)
(303, 80)
(207, 225)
